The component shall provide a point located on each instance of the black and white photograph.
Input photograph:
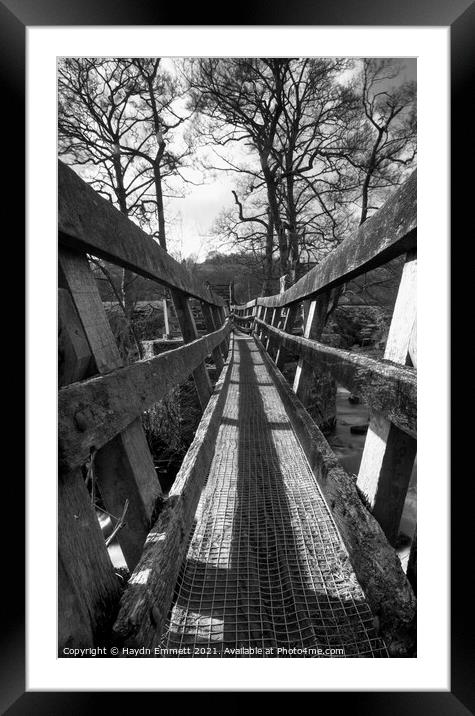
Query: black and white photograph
(237, 357)
(239, 241)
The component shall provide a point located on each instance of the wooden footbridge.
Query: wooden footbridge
(264, 545)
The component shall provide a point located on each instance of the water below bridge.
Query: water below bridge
(348, 447)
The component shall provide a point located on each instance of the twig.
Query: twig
(119, 524)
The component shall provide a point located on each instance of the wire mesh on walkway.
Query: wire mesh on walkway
(265, 573)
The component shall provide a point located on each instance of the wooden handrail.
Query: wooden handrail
(89, 223)
(387, 387)
(94, 411)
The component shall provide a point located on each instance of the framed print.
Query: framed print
(238, 397)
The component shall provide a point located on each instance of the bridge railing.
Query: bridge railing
(101, 401)
(387, 386)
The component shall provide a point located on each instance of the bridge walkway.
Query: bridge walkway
(265, 573)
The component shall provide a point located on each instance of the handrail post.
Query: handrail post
(210, 327)
(274, 322)
(389, 453)
(287, 327)
(189, 333)
(124, 467)
(88, 591)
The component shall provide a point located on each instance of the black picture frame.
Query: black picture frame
(15, 17)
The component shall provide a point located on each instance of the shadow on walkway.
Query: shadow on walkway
(265, 570)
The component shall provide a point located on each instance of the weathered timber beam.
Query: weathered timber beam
(376, 564)
(123, 467)
(94, 411)
(244, 319)
(388, 456)
(245, 305)
(211, 327)
(387, 387)
(88, 222)
(88, 589)
(281, 355)
(390, 232)
(189, 332)
(146, 601)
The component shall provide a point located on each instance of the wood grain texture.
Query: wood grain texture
(87, 222)
(219, 321)
(389, 454)
(94, 411)
(314, 313)
(288, 324)
(211, 327)
(74, 355)
(387, 387)
(125, 471)
(82, 285)
(88, 592)
(375, 562)
(146, 601)
(249, 304)
(389, 233)
(190, 334)
(136, 466)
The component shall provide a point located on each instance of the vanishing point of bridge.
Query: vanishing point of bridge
(264, 545)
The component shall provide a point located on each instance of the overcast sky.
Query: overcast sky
(195, 214)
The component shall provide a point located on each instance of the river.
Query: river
(349, 448)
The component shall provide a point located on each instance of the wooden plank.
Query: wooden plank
(146, 601)
(74, 355)
(389, 233)
(243, 306)
(138, 472)
(244, 323)
(270, 323)
(89, 223)
(317, 391)
(265, 322)
(94, 411)
(211, 327)
(315, 315)
(271, 345)
(219, 321)
(389, 454)
(376, 564)
(125, 467)
(167, 333)
(259, 315)
(388, 388)
(281, 356)
(77, 276)
(189, 333)
(74, 624)
(88, 590)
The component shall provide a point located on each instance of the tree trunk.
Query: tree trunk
(275, 215)
(127, 276)
(267, 283)
(162, 240)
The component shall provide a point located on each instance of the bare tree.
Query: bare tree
(287, 115)
(94, 123)
(381, 140)
(116, 124)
